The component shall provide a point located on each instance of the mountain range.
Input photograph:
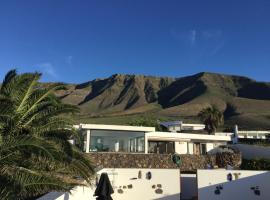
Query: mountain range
(121, 98)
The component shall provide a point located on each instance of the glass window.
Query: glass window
(203, 149)
(162, 147)
(116, 141)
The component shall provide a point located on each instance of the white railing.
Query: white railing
(253, 134)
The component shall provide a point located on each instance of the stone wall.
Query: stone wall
(188, 162)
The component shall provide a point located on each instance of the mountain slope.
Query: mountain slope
(243, 100)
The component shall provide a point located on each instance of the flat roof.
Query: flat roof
(171, 123)
(169, 136)
(201, 125)
(117, 127)
(176, 123)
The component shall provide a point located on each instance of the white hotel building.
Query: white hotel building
(138, 139)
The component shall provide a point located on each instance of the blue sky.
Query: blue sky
(77, 41)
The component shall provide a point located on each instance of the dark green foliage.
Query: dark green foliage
(35, 156)
(255, 164)
(212, 118)
(146, 121)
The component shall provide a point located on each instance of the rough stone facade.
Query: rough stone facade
(188, 162)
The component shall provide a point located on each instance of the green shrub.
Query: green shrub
(146, 121)
(255, 164)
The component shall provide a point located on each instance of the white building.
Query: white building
(138, 139)
(178, 126)
(251, 134)
(257, 135)
(134, 182)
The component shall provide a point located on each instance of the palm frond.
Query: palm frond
(35, 155)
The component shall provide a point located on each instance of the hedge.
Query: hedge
(255, 164)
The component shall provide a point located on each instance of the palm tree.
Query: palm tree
(212, 118)
(35, 155)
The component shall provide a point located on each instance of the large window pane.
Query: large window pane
(116, 141)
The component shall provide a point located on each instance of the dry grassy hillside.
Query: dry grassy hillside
(121, 98)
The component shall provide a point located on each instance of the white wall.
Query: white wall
(253, 151)
(190, 147)
(217, 144)
(194, 127)
(169, 136)
(209, 146)
(174, 128)
(188, 186)
(141, 188)
(181, 147)
(78, 193)
(241, 188)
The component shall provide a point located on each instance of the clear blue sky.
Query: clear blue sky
(76, 41)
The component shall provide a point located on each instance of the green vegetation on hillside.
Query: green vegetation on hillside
(147, 121)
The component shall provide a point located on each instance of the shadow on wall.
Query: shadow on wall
(66, 196)
(188, 186)
(55, 195)
(248, 188)
(169, 197)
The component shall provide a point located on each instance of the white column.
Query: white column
(135, 142)
(87, 141)
(235, 138)
(116, 146)
(145, 143)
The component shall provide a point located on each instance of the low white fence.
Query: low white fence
(233, 185)
(164, 184)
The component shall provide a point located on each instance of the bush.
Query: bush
(255, 164)
(146, 121)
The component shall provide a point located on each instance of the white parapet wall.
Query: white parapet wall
(163, 185)
(168, 136)
(233, 185)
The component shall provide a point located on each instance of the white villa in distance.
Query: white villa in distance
(139, 139)
(178, 126)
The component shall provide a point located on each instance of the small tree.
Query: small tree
(212, 118)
